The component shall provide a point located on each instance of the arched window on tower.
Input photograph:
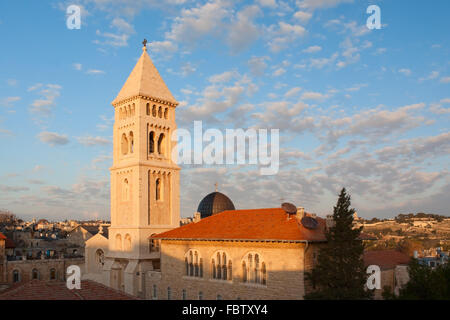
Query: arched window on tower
(158, 189)
(151, 142)
(118, 242)
(127, 241)
(160, 112)
(166, 113)
(131, 138)
(161, 145)
(99, 259)
(124, 144)
(147, 108)
(125, 190)
(154, 111)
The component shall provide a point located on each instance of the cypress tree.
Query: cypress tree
(340, 272)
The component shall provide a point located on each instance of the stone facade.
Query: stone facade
(285, 264)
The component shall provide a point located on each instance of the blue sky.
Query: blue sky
(365, 109)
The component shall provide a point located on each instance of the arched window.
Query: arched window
(219, 297)
(16, 276)
(230, 270)
(151, 142)
(184, 295)
(125, 190)
(263, 274)
(131, 139)
(52, 274)
(166, 113)
(154, 110)
(160, 112)
(254, 269)
(169, 293)
(35, 274)
(100, 258)
(221, 266)
(147, 108)
(118, 242)
(154, 244)
(158, 189)
(127, 240)
(193, 264)
(155, 292)
(124, 144)
(161, 145)
(200, 295)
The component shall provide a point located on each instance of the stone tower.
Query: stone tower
(144, 177)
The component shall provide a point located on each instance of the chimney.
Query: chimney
(197, 217)
(300, 213)
(329, 221)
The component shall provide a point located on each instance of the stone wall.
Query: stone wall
(285, 266)
(43, 266)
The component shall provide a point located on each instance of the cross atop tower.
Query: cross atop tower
(144, 42)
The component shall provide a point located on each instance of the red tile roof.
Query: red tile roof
(253, 224)
(42, 290)
(2, 236)
(385, 259)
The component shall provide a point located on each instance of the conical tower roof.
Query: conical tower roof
(145, 80)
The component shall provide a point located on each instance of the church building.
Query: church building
(223, 254)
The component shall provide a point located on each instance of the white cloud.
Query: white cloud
(9, 101)
(162, 47)
(445, 79)
(77, 66)
(283, 34)
(93, 141)
(310, 95)
(43, 106)
(53, 138)
(257, 65)
(303, 16)
(312, 49)
(243, 31)
(431, 76)
(95, 71)
(278, 72)
(292, 92)
(223, 77)
(267, 3)
(321, 4)
(406, 72)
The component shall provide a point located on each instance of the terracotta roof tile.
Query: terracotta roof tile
(253, 224)
(385, 259)
(42, 290)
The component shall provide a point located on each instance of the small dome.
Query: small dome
(213, 203)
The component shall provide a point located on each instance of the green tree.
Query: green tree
(426, 283)
(340, 272)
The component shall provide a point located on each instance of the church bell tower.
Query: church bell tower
(144, 177)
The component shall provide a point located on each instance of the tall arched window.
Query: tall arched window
(254, 269)
(193, 263)
(147, 108)
(151, 142)
(154, 110)
(160, 112)
(53, 274)
(99, 258)
(35, 274)
(131, 138)
(161, 146)
(124, 144)
(166, 113)
(221, 266)
(158, 189)
(127, 240)
(125, 190)
(16, 276)
(118, 242)
(230, 270)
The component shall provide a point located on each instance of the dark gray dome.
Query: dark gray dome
(213, 203)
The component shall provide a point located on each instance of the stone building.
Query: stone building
(222, 253)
